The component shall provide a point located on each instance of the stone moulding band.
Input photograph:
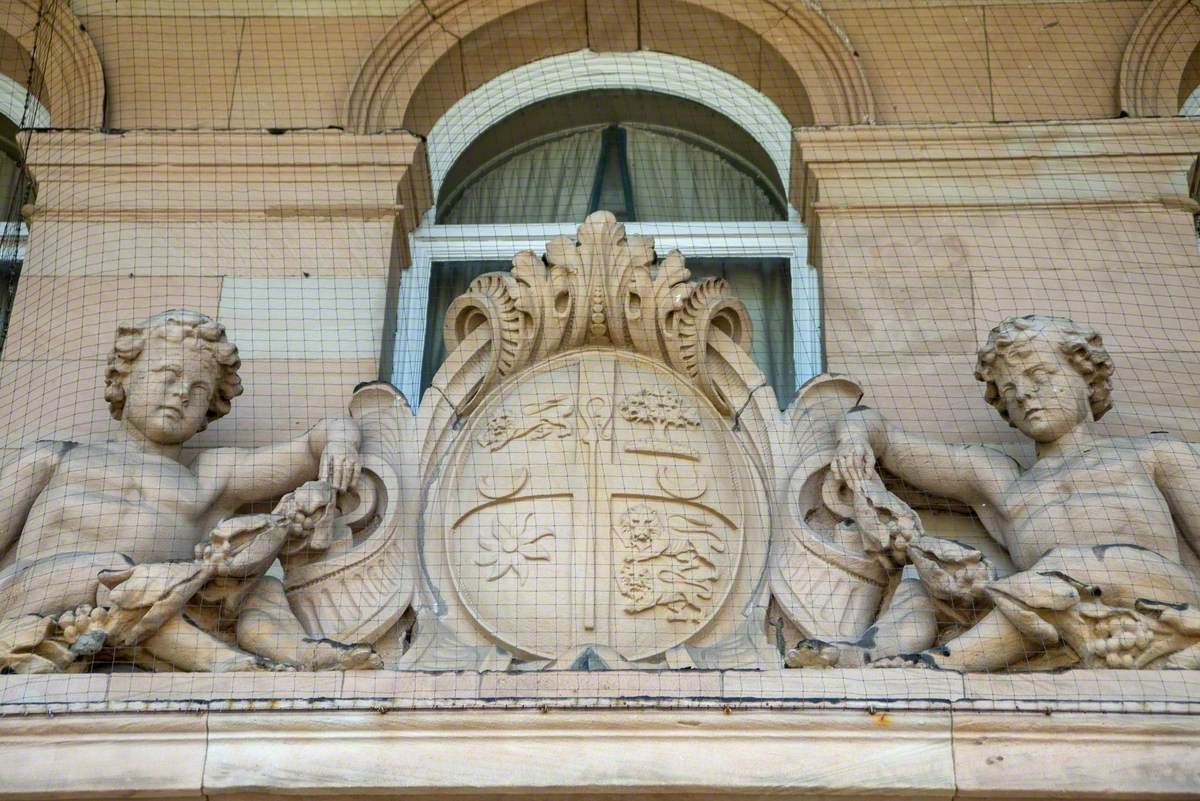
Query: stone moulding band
(686, 753)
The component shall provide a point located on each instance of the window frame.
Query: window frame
(573, 73)
(432, 243)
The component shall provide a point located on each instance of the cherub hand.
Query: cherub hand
(340, 466)
(305, 505)
(242, 545)
(309, 515)
(854, 460)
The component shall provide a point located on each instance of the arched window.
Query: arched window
(668, 167)
(18, 109)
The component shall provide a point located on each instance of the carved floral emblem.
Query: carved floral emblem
(661, 408)
(508, 549)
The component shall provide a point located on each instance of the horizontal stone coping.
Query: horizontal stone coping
(1171, 692)
(594, 754)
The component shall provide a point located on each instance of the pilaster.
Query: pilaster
(928, 236)
(127, 224)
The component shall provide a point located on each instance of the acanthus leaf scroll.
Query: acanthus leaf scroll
(601, 289)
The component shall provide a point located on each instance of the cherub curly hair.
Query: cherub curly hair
(1081, 345)
(175, 325)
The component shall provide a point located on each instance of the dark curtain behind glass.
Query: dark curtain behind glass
(447, 280)
(764, 285)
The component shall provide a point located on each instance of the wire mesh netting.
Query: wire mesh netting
(658, 353)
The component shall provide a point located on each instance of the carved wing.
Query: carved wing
(357, 589)
(819, 574)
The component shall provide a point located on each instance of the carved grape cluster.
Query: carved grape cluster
(1118, 637)
(78, 622)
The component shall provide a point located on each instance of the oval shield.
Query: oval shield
(597, 499)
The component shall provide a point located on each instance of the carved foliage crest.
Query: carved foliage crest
(601, 288)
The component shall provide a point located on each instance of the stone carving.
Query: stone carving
(510, 547)
(537, 421)
(664, 566)
(592, 501)
(600, 478)
(662, 409)
(1096, 529)
(602, 290)
(118, 547)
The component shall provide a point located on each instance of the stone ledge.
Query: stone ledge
(576, 753)
(1144, 692)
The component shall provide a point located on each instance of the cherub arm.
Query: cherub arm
(1177, 473)
(21, 481)
(973, 474)
(329, 451)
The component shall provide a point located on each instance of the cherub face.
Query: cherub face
(1044, 395)
(168, 392)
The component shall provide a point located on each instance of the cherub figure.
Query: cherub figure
(119, 545)
(1093, 527)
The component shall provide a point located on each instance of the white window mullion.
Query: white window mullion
(412, 303)
(806, 317)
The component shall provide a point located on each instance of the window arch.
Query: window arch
(638, 171)
(19, 110)
(668, 164)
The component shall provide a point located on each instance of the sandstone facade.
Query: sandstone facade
(953, 164)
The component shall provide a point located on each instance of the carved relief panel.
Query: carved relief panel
(597, 500)
(600, 478)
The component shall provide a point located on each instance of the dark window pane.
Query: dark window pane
(765, 286)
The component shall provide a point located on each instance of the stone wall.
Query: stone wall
(920, 252)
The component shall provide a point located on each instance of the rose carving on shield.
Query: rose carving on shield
(508, 549)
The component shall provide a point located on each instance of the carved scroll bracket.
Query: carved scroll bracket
(601, 288)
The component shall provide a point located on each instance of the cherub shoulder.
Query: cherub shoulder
(1170, 450)
(44, 453)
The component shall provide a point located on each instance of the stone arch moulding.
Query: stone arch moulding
(814, 57)
(70, 65)
(1156, 56)
(584, 70)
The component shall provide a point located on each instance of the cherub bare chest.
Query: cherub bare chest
(96, 488)
(1101, 496)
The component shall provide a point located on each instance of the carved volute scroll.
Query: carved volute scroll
(602, 289)
(377, 565)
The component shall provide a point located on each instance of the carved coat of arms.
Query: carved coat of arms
(600, 478)
(599, 500)
(594, 494)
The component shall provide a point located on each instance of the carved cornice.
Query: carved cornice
(74, 78)
(1158, 51)
(968, 168)
(680, 753)
(192, 176)
(817, 51)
